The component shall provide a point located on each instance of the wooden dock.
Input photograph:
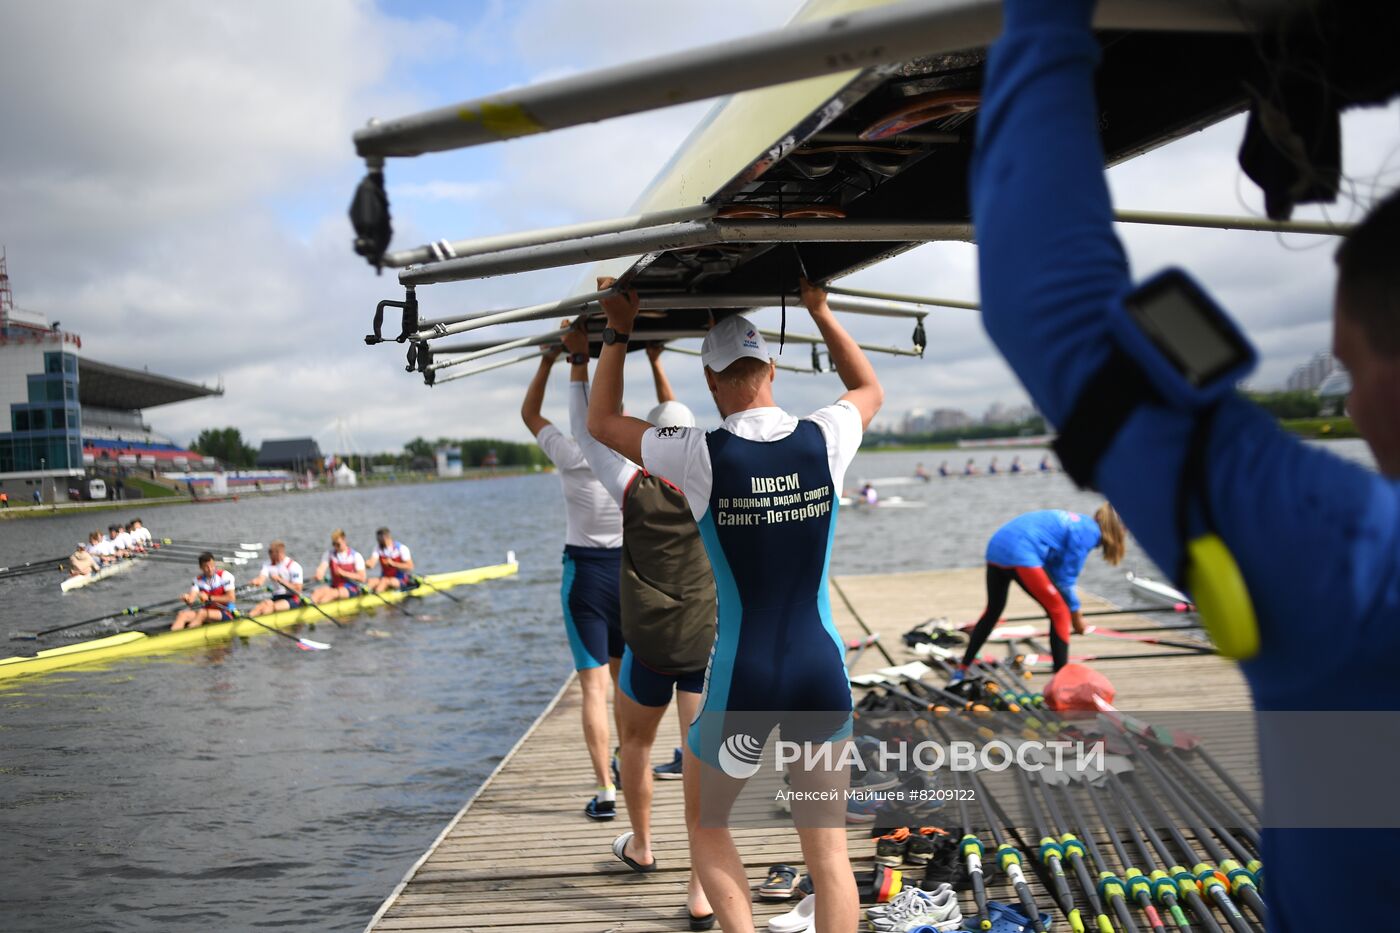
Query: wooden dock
(520, 855)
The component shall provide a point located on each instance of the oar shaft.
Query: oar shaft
(1190, 811)
(1225, 808)
(424, 581)
(301, 642)
(971, 848)
(1130, 610)
(1216, 890)
(1059, 884)
(1229, 781)
(1189, 893)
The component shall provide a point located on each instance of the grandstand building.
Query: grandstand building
(68, 416)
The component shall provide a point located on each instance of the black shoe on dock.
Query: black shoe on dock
(600, 810)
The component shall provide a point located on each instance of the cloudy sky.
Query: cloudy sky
(174, 178)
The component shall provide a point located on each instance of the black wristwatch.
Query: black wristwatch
(611, 336)
(578, 359)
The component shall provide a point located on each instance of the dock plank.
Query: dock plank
(520, 855)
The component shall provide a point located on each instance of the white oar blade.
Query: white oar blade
(308, 645)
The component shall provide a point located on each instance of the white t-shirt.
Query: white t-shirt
(104, 548)
(288, 570)
(682, 456)
(122, 542)
(142, 535)
(592, 518)
(610, 468)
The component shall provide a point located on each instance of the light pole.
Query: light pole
(43, 482)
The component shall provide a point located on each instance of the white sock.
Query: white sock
(607, 794)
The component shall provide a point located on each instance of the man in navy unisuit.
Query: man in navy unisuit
(1315, 537)
(764, 489)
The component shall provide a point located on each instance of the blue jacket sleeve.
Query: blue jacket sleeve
(1064, 570)
(1315, 537)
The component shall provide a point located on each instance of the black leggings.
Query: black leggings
(1039, 587)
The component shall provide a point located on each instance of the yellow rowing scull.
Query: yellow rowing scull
(137, 644)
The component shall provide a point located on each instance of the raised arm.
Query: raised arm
(1315, 538)
(862, 385)
(609, 467)
(664, 393)
(534, 394)
(606, 422)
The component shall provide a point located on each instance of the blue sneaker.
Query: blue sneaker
(958, 676)
(601, 810)
(671, 771)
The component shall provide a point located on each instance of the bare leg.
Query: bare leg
(712, 850)
(687, 708)
(594, 683)
(636, 730)
(822, 829)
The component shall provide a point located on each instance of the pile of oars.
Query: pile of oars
(1160, 837)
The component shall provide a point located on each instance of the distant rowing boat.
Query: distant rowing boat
(142, 644)
(893, 502)
(111, 570)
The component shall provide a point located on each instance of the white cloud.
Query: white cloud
(461, 192)
(174, 179)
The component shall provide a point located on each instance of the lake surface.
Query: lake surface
(260, 786)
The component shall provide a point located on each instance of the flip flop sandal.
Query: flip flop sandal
(781, 880)
(619, 848)
(702, 923)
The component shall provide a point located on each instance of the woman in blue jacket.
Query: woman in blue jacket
(1044, 552)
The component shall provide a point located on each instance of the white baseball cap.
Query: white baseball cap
(732, 339)
(671, 415)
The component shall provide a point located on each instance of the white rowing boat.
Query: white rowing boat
(1161, 592)
(111, 570)
(893, 502)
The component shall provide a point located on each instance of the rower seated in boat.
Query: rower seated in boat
(283, 576)
(346, 567)
(140, 534)
(394, 561)
(210, 598)
(81, 563)
(101, 548)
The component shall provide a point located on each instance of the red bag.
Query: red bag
(1074, 688)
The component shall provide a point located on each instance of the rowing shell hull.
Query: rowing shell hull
(73, 583)
(1158, 591)
(139, 644)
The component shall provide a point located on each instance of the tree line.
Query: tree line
(228, 446)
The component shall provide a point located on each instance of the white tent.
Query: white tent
(344, 476)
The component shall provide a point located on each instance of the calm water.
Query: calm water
(261, 786)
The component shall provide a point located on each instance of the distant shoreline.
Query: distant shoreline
(60, 509)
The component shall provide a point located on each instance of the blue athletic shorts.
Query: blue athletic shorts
(651, 687)
(592, 615)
